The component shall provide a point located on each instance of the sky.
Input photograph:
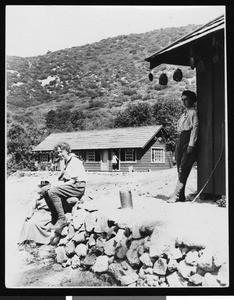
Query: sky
(33, 30)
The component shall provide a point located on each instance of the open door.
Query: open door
(105, 161)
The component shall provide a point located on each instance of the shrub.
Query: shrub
(129, 92)
(136, 97)
(96, 103)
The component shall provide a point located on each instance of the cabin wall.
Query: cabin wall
(92, 166)
(144, 159)
(211, 114)
(142, 163)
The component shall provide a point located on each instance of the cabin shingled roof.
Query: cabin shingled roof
(131, 137)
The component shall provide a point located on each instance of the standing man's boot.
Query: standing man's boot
(182, 195)
(176, 196)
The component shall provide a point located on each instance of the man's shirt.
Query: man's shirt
(189, 121)
(74, 169)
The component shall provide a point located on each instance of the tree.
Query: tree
(63, 119)
(16, 141)
(135, 115)
(51, 119)
(20, 143)
(77, 119)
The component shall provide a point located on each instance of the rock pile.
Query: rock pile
(120, 250)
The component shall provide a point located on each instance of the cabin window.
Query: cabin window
(128, 155)
(157, 155)
(93, 155)
(44, 157)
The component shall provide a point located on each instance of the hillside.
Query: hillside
(97, 79)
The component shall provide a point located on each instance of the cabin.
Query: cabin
(137, 149)
(203, 50)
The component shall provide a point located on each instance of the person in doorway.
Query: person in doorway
(115, 162)
(185, 151)
(37, 226)
(72, 184)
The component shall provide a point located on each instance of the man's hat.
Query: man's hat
(43, 183)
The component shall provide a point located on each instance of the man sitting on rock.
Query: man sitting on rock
(72, 184)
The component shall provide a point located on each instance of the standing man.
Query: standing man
(185, 152)
(114, 162)
(73, 182)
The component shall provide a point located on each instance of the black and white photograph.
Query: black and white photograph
(116, 147)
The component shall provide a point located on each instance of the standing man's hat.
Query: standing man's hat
(43, 183)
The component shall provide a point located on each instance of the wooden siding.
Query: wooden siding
(144, 159)
(92, 166)
(145, 163)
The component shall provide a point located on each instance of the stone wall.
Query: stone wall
(120, 249)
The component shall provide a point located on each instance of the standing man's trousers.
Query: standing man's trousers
(184, 160)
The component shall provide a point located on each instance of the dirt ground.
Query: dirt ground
(203, 221)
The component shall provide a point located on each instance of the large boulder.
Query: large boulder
(206, 261)
(160, 266)
(101, 223)
(123, 273)
(91, 241)
(135, 250)
(70, 248)
(63, 241)
(121, 244)
(172, 265)
(146, 260)
(192, 257)
(61, 256)
(90, 221)
(186, 270)
(64, 231)
(109, 247)
(196, 279)
(71, 232)
(101, 265)
(79, 217)
(89, 259)
(81, 250)
(79, 237)
(145, 271)
(98, 249)
(176, 280)
(175, 253)
(75, 262)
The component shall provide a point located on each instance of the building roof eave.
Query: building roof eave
(150, 139)
(178, 52)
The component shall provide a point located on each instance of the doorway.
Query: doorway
(105, 161)
(115, 160)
